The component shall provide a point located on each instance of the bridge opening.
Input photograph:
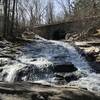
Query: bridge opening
(58, 35)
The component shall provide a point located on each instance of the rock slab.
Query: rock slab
(34, 91)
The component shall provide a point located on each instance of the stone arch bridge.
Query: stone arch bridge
(59, 30)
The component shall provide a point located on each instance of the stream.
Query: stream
(36, 59)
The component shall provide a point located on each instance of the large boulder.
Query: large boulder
(31, 73)
(68, 67)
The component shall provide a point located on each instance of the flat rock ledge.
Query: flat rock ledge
(36, 91)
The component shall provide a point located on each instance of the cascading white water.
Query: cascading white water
(74, 56)
(42, 54)
(11, 71)
(91, 82)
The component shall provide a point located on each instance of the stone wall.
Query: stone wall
(60, 29)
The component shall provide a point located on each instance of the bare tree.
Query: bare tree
(50, 12)
(86, 8)
(13, 16)
(66, 7)
(5, 17)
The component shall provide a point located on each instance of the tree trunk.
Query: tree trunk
(5, 18)
(12, 20)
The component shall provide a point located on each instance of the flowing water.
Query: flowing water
(37, 59)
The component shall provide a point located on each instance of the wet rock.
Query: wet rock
(57, 75)
(23, 41)
(4, 76)
(60, 79)
(82, 44)
(71, 78)
(90, 53)
(91, 56)
(33, 91)
(31, 72)
(2, 55)
(24, 72)
(30, 36)
(3, 61)
(68, 77)
(68, 67)
(2, 45)
(95, 66)
(94, 43)
(1, 70)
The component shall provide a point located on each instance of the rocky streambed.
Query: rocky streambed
(32, 91)
(24, 66)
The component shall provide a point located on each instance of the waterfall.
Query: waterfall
(91, 82)
(43, 54)
(9, 71)
(38, 57)
(74, 56)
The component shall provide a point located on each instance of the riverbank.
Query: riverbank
(32, 91)
(91, 51)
